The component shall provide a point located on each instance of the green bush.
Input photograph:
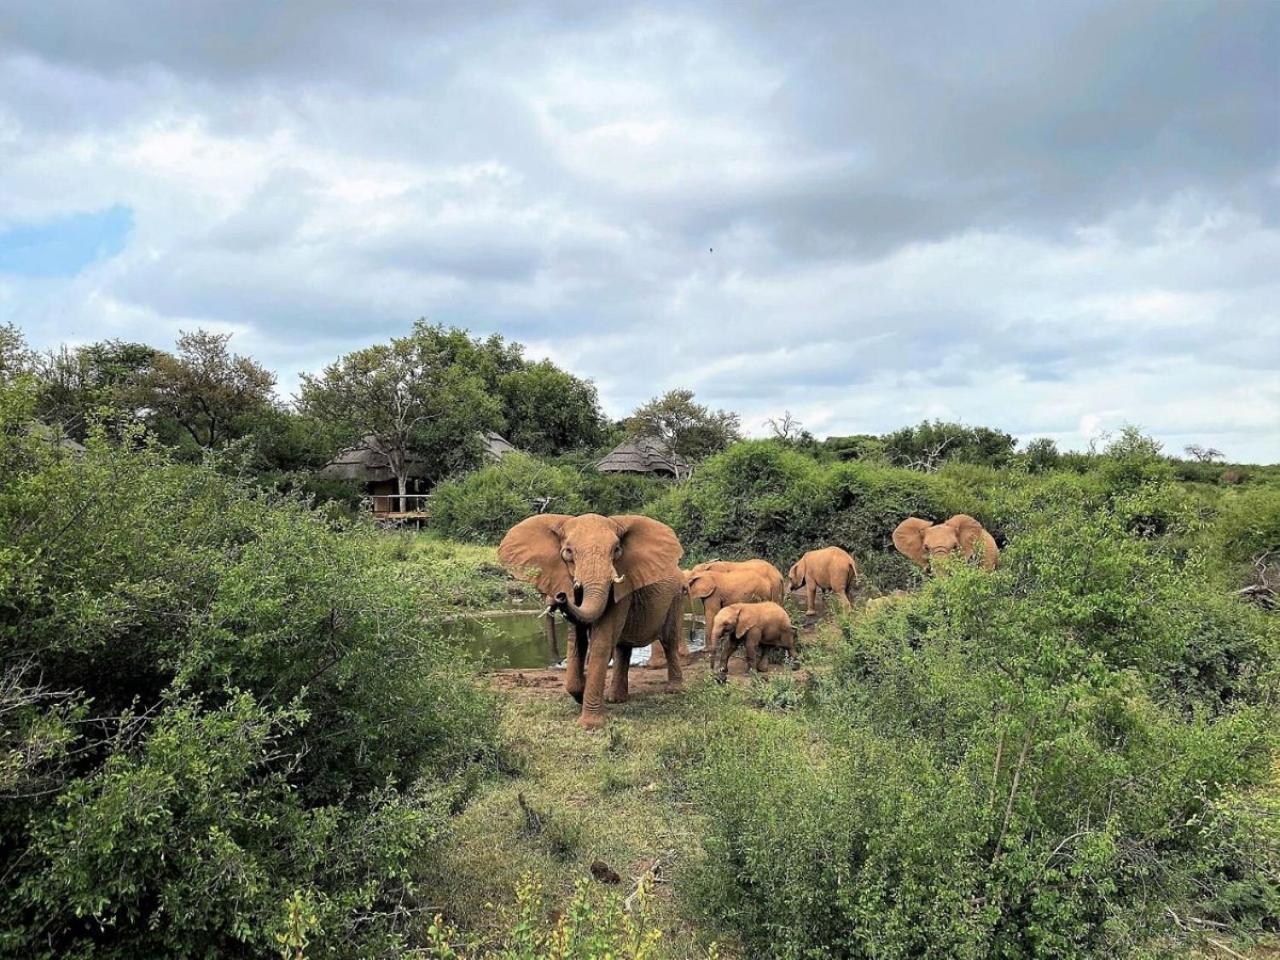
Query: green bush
(1249, 525)
(482, 506)
(760, 499)
(1031, 763)
(614, 493)
(220, 703)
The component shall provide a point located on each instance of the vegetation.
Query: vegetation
(230, 723)
(215, 704)
(1031, 763)
(684, 426)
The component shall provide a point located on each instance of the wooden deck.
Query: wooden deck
(387, 508)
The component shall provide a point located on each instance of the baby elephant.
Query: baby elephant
(759, 626)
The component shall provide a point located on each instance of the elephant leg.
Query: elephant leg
(841, 589)
(600, 648)
(553, 642)
(670, 641)
(574, 678)
(620, 689)
(811, 599)
(721, 660)
(755, 652)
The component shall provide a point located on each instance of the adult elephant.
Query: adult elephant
(719, 588)
(757, 625)
(831, 570)
(920, 541)
(617, 582)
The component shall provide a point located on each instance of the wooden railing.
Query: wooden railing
(394, 503)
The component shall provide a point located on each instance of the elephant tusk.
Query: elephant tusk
(547, 612)
(619, 578)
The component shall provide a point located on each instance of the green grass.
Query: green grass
(463, 575)
(614, 796)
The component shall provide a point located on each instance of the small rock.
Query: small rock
(604, 873)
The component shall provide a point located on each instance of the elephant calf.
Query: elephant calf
(829, 569)
(758, 626)
(717, 588)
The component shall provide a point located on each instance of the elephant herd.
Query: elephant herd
(617, 582)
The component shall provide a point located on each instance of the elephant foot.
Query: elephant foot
(577, 695)
(591, 721)
(615, 697)
(673, 686)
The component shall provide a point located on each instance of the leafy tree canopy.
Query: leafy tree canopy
(205, 388)
(932, 443)
(688, 428)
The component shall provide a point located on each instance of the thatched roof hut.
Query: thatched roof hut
(643, 455)
(496, 447)
(56, 437)
(364, 464)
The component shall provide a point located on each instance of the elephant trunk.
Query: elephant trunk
(720, 659)
(595, 597)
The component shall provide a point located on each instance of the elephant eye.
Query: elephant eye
(617, 551)
(567, 553)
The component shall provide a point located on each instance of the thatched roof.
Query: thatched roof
(43, 431)
(496, 447)
(366, 465)
(643, 455)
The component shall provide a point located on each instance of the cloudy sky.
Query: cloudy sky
(1055, 218)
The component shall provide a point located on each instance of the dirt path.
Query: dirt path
(644, 681)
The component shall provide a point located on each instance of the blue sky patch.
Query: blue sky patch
(64, 246)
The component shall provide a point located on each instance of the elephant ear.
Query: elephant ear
(908, 538)
(969, 533)
(650, 552)
(795, 576)
(531, 551)
(728, 618)
(702, 585)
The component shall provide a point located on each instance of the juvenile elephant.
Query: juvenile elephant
(763, 567)
(828, 569)
(718, 588)
(920, 540)
(758, 626)
(617, 582)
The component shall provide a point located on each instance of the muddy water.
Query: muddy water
(507, 638)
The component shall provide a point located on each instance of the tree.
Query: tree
(688, 429)
(548, 411)
(927, 446)
(75, 384)
(205, 389)
(787, 428)
(424, 396)
(15, 357)
(1202, 454)
(1041, 455)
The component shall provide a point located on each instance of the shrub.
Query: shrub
(238, 705)
(759, 499)
(591, 925)
(614, 493)
(482, 506)
(1031, 762)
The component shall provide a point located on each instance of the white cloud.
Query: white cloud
(716, 200)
